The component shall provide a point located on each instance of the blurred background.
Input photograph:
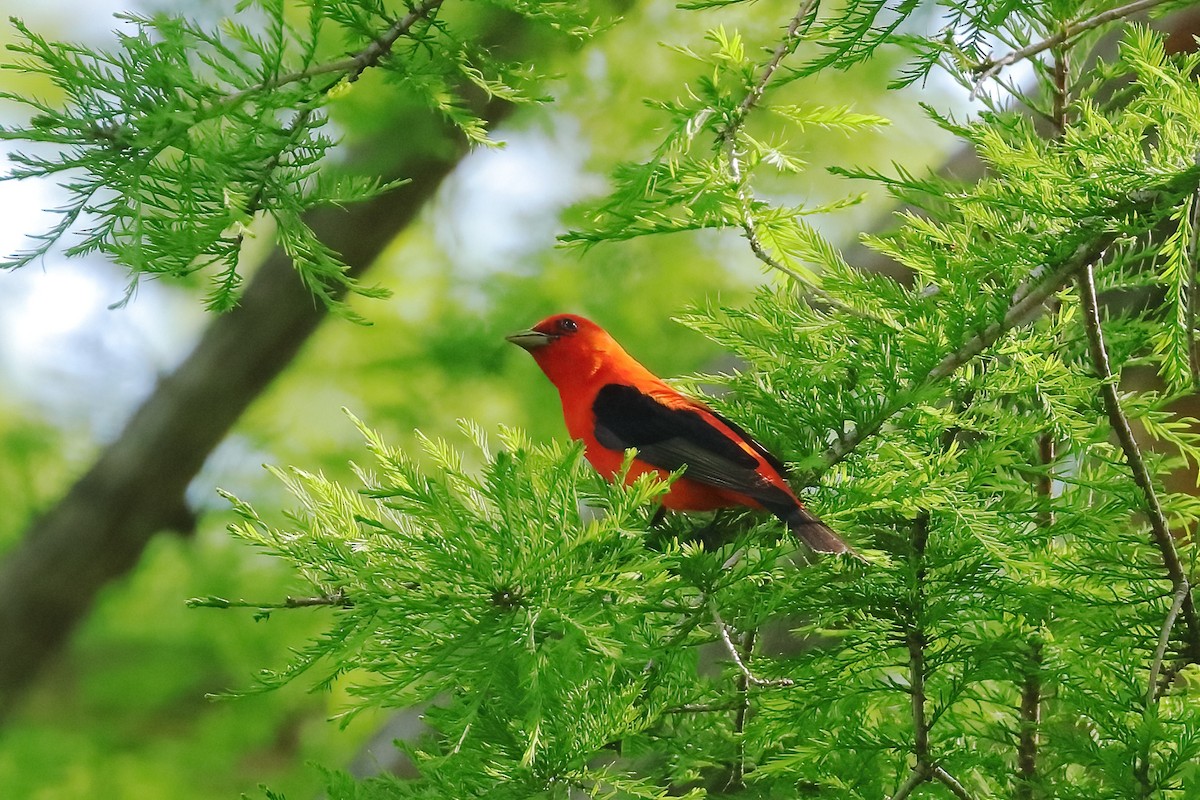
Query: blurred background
(123, 710)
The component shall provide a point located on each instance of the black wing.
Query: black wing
(670, 438)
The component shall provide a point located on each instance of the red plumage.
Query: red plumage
(612, 403)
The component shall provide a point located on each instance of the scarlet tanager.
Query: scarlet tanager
(612, 403)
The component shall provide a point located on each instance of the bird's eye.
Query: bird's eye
(568, 325)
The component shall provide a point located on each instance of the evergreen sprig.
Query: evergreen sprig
(700, 175)
(172, 145)
(545, 628)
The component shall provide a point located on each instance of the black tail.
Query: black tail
(813, 532)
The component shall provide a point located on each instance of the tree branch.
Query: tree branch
(1027, 305)
(352, 67)
(914, 640)
(1029, 713)
(338, 599)
(731, 648)
(728, 141)
(1133, 457)
(738, 773)
(992, 67)
(951, 783)
(1024, 308)
(1030, 720)
(791, 39)
(919, 775)
(1164, 639)
(925, 768)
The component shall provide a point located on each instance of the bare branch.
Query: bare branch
(1164, 638)
(951, 783)
(919, 775)
(1029, 720)
(731, 648)
(924, 772)
(992, 67)
(738, 774)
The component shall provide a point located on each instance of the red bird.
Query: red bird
(612, 403)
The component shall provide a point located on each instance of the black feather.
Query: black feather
(670, 438)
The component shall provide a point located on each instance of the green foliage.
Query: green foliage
(699, 175)
(177, 142)
(545, 628)
(954, 431)
(132, 708)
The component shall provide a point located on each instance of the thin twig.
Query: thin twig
(731, 648)
(1164, 639)
(1193, 273)
(1133, 457)
(992, 67)
(738, 773)
(919, 775)
(728, 139)
(1025, 306)
(786, 47)
(1141, 765)
(338, 599)
(951, 783)
(680, 636)
(352, 66)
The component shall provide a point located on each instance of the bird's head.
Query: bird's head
(568, 347)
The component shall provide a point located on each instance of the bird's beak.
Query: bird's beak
(530, 340)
